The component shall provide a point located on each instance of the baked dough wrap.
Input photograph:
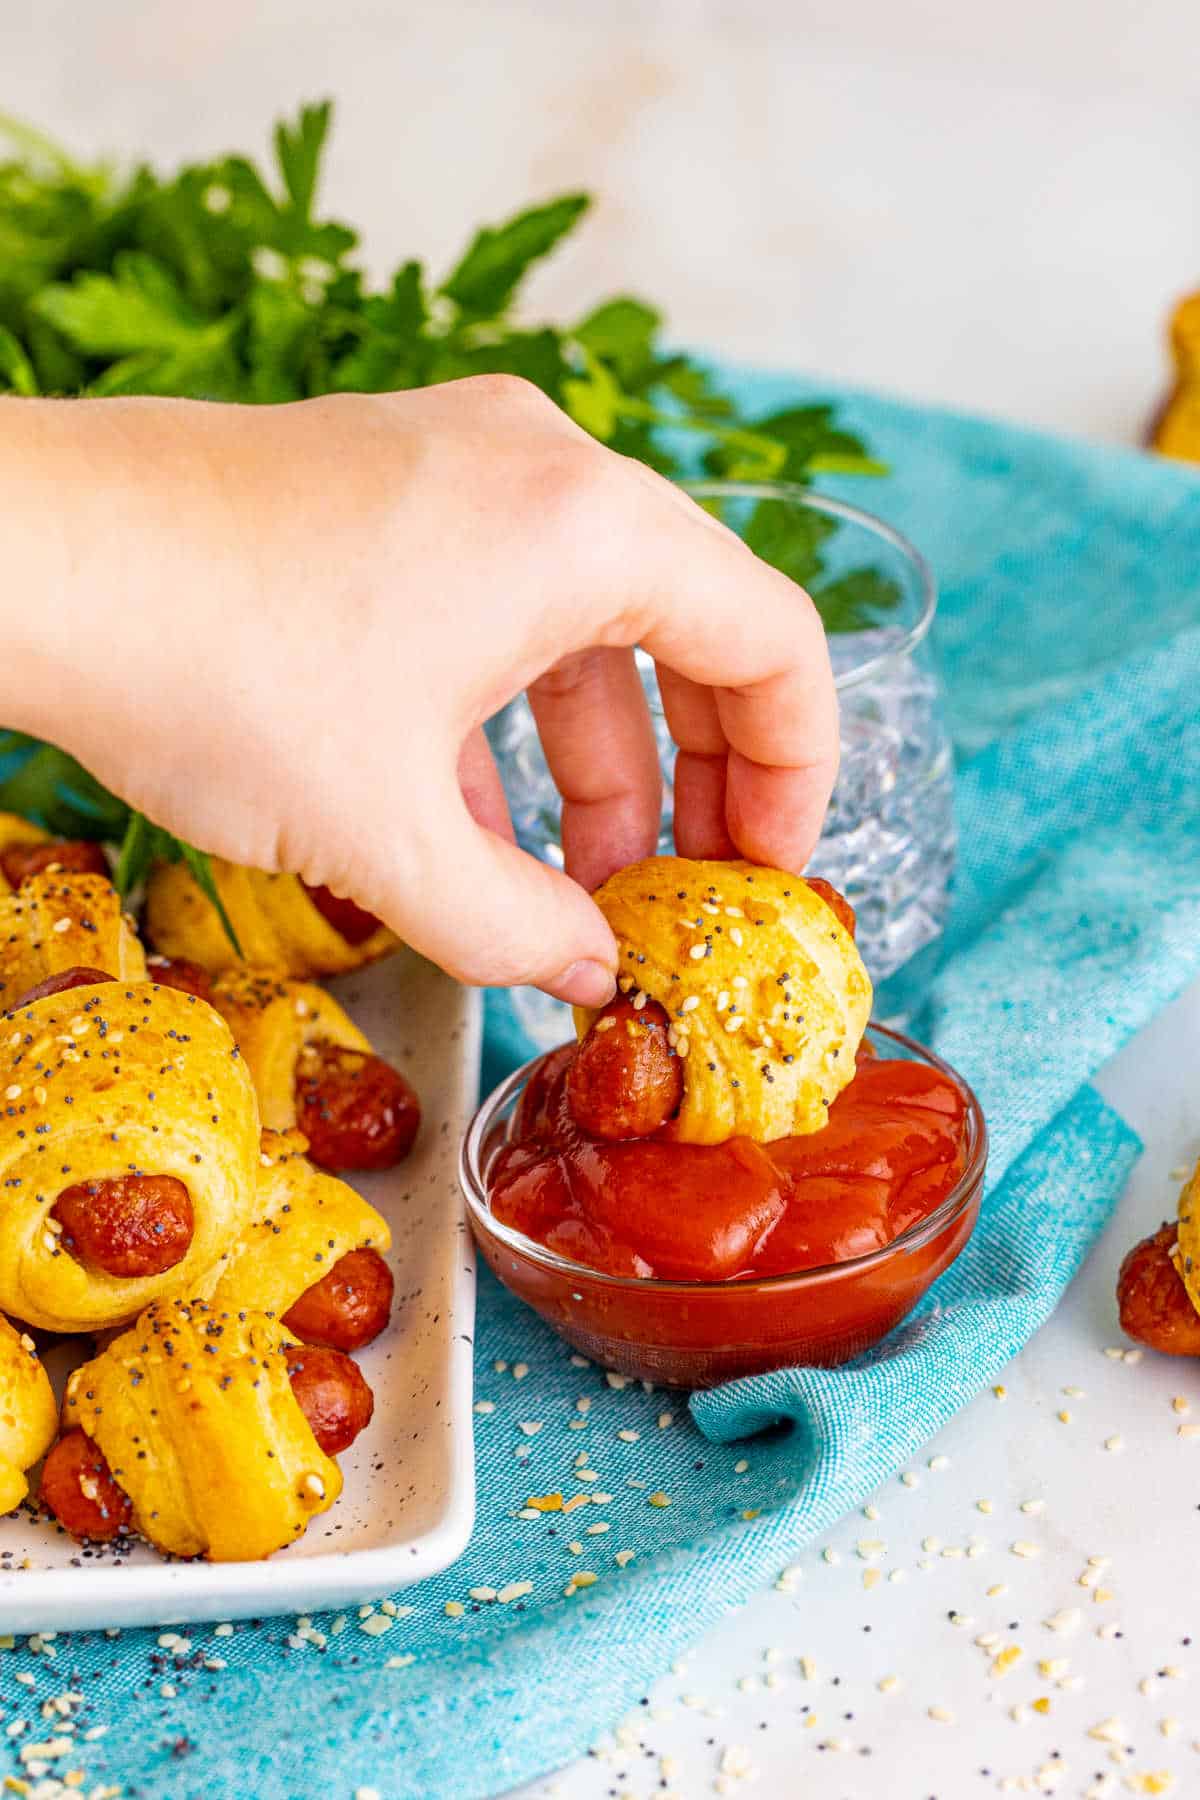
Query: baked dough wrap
(304, 1222)
(277, 924)
(16, 830)
(764, 988)
(1188, 1260)
(57, 922)
(273, 1018)
(104, 1081)
(195, 1414)
(28, 1414)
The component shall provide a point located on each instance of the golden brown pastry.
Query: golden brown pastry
(1188, 1259)
(59, 921)
(273, 1020)
(17, 833)
(278, 921)
(28, 1415)
(304, 1223)
(313, 1068)
(765, 991)
(1176, 431)
(128, 1151)
(194, 1413)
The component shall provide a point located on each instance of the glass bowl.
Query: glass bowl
(694, 1334)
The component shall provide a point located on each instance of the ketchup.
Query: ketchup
(894, 1148)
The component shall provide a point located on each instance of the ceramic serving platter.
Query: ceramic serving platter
(409, 1499)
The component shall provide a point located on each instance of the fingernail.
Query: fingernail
(583, 984)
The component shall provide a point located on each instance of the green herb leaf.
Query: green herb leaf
(16, 370)
(594, 401)
(789, 538)
(486, 279)
(49, 786)
(857, 600)
(299, 149)
(138, 307)
(622, 332)
(135, 854)
(200, 864)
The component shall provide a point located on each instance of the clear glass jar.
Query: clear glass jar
(888, 842)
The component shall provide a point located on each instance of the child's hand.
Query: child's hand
(279, 630)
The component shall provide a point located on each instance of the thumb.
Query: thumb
(492, 915)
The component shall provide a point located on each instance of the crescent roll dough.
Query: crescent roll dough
(766, 993)
(276, 922)
(63, 921)
(101, 1082)
(231, 1469)
(28, 1415)
(304, 1222)
(1188, 1262)
(15, 830)
(272, 1020)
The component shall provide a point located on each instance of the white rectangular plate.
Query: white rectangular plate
(409, 1500)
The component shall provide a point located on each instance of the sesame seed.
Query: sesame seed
(515, 1590)
(658, 1498)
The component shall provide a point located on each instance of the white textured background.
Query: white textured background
(987, 205)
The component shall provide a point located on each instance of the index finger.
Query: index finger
(745, 674)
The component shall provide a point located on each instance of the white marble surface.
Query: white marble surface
(986, 205)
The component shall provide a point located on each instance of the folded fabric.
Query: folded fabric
(1071, 630)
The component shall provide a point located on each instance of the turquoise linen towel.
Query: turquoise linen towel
(1070, 633)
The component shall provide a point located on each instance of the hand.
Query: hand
(278, 631)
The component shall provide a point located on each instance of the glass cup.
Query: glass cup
(888, 842)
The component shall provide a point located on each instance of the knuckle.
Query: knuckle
(509, 393)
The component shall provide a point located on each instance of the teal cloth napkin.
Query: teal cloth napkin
(1070, 634)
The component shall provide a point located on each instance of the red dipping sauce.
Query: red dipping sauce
(689, 1264)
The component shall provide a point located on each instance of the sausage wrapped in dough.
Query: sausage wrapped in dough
(763, 987)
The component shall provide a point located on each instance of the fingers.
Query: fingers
(595, 729)
(745, 676)
(491, 915)
(700, 767)
(482, 788)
